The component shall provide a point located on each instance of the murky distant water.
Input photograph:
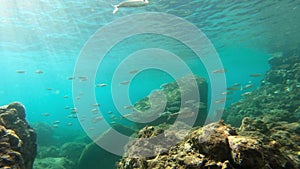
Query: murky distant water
(49, 35)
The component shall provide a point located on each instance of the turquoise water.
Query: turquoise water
(49, 35)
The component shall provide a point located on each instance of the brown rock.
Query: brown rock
(17, 138)
(214, 146)
(246, 152)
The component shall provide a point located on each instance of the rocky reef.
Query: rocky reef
(264, 131)
(178, 97)
(274, 108)
(17, 139)
(261, 131)
(216, 145)
(60, 155)
(277, 99)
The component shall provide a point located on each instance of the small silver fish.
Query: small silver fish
(236, 85)
(56, 122)
(220, 101)
(130, 3)
(39, 72)
(183, 114)
(72, 116)
(46, 114)
(248, 86)
(219, 71)
(125, 82)
(233, 88)
(128, 107)
(70, 78)
(246, 94)
(97, 119)
(83, 78)
(96, 105)
(101, 85)
(67, 107)
(133, 71)
(94, 110)
(227, 93)
(20, 71)
(255, 75)
(189, 101)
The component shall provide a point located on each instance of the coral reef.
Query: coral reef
(217, 146)
(17, 139)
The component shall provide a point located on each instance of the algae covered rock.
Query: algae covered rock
(246, 152)
(279, 136)
(277, 99)
(17, 139)
(174, 98)
(218, 146)
(153, 140)
(271, 113)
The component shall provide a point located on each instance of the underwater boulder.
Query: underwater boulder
(45, 134)
(196, 102)
(246, 152)
(47, 151)
(72, 151)
(215, 145)
(17, 139)
(95, 157)
(154, 139)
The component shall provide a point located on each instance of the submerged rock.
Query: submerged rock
(17, 139)
(217, 146)
(173, 98)
(94, 157)
(72, 151)
(45, 134)
(277, 99)
(272, 112)
(54, 163)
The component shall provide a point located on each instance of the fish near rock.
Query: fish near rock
(130, 3)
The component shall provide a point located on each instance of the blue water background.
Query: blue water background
(49, 35)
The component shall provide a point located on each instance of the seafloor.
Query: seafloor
(260, 131)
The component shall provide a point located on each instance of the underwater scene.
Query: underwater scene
(142, 84)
